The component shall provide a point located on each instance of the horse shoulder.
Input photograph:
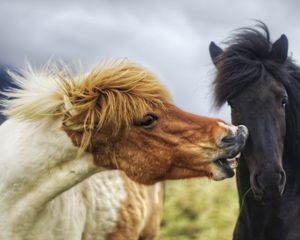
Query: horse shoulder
(119, 208)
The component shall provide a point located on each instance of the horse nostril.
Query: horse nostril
(282, 178)
(228, 140)
(256, 182)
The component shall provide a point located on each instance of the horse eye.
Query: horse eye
(284, 101)
(148, 121)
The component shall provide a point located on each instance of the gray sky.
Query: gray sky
(170, 37)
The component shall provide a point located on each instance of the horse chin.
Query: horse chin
(266, 197)
(222, 170)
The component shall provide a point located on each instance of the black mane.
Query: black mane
(292, 86)
(247, 59)
(5, 83)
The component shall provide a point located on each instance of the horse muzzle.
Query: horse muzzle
(231, 144)
(268, 186)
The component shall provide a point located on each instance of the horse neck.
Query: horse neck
(38, 162)
(291, 164)
(291, 154)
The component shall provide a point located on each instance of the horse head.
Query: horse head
(128, 122)
(251, 76)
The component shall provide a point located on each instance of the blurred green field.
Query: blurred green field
(199, 209)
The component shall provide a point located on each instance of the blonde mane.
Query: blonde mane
(113, 94)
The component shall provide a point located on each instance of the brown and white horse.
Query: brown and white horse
(64, 136)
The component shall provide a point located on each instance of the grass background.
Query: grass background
(199, 209)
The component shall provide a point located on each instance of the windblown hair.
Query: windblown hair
(113, 94)
(247, 59)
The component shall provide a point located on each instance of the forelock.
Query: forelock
(244, 61)
(116, 95)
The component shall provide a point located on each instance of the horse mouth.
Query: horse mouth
(218, 170)
(230, 163)
(225, 167)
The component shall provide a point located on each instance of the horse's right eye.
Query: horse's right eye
(148, 121)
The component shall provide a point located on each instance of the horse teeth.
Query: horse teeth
(232, 163)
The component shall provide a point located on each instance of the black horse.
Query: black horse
(262, 86)
(5, 83)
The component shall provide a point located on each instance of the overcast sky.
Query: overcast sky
(170, 37)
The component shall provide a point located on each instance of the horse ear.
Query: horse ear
(279, 50)
(215, 51)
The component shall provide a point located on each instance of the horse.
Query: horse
(5, 82)
(64, 135)
(126, 211)
(261, 84)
